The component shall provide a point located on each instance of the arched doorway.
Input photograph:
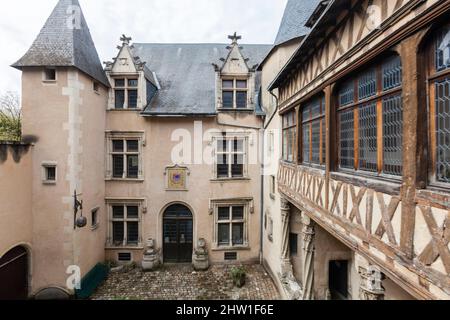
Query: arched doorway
(177, 234)
(14, 274)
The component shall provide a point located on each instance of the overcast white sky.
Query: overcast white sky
(144, 20)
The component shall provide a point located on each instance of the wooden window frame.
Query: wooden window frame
(286, 128)
(355, 106)
(235, 90)
(309, 122)
(433, 76)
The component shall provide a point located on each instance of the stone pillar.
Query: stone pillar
(371, 287)
(286, 266)
(308, 258)
(290, 285)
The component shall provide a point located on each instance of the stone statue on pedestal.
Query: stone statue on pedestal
(152, 258)
(200, 258)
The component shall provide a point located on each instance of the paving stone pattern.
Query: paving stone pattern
(180, 282)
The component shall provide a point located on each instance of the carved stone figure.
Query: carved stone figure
(152, 257)
(200, 258)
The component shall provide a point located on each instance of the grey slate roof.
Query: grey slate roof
(186, 75)
(296, 15)
(57, 45)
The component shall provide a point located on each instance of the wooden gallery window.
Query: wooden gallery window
(439, 117)
(370, 120)
(313, 132)
(289, 135)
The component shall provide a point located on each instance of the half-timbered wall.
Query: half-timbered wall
(398, 220)
(356, 36)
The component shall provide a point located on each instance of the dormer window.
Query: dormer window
(234, 93)
(125, 93)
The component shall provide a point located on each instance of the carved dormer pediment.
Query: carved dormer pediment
(125, 62)
(235, 62)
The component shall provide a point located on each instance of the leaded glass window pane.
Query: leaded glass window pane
(227, 84)
(443, 50)
(367, 84)
(238, 233)
(132, 99)
(224, 234)
(368, 137)
(347, 139)
(132, 212)
(119, 83)
(306, 143)
(238, 213)
(119, 99)
(227, 97)
(241, 99)
(117, 145)
(315, 108)
(118, 232)
(132, 233)
(133, 166)
(241, 84)
(316, 142)
(117, 166)
(224, 213)
(392, 135)
(443, 130)
(347, 94)
(118, 212)
(392, 73)
(237, 167)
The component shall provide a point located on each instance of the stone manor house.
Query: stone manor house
(324, 156)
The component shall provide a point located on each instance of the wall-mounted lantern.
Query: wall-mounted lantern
(81, 221)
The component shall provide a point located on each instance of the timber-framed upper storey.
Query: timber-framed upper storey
(379, 141)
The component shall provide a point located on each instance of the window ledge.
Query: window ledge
(235, 110)
(125, 110)
(124, 180)
(230, 179)
(110, 247)
(237, 248)
(317, 170)
(49, 183)
(379, 184)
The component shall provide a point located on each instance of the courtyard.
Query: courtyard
(181, 282)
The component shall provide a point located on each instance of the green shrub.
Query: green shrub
(238, 274)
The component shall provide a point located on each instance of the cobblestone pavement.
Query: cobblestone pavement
(182, 283)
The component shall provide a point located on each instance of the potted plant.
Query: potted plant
(238, 274)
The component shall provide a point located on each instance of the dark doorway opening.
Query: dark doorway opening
(338, 280)
(178, 234)
(14, 275)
